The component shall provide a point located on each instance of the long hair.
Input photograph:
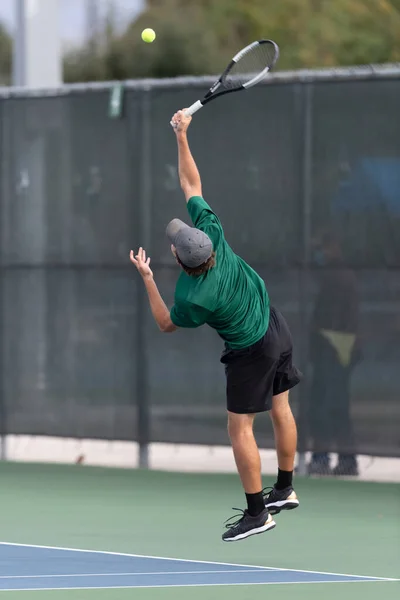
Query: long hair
(201, 269)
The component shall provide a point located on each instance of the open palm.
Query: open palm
(141, 263)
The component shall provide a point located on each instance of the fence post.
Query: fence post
(3, 431)
(2, 403)
(305, 271)
(144, 220)
(3, 421)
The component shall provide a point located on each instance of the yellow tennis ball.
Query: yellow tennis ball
(148, 35)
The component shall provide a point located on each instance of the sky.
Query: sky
(73, 25)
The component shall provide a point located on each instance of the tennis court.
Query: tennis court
(81, 532)
(86, 375)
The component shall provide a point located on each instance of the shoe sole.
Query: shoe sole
(270, 524)
(277, 507)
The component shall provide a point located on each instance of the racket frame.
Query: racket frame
(259, 77)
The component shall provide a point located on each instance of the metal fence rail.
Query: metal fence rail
(304, 172)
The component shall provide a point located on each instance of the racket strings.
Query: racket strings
(250, 65)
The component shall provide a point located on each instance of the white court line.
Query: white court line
(174, 585)
(207, 562)
(135, 574)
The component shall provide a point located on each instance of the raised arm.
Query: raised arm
(189, 175)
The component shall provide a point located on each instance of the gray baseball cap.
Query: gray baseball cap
(192, 245)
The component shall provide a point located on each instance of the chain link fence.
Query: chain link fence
(304, 173)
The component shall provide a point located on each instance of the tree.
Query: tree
(5, 56)
(200, 36)
(184, 44)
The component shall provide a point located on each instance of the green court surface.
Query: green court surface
(346, 527)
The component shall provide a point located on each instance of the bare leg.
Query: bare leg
(285, 431)
(256, 519)
(245, 451)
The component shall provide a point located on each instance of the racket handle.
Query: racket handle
(190, 111)
(194, 108)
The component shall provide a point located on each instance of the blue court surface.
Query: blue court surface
(24, 567)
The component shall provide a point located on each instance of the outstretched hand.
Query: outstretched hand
(180, 122)
(142, 263)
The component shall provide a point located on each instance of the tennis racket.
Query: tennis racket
(246, 69)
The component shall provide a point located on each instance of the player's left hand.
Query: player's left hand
(142, 263)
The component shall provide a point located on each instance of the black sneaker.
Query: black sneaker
(319, 468)
(277, 500)
(247, 525)
(347, 466)
(320, 464)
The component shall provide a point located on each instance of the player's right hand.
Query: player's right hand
(180, 122)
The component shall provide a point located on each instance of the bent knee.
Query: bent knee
(280, 406)
(240, 425)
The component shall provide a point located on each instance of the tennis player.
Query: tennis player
(216, 287)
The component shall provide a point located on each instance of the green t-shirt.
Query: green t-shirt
(231, 298)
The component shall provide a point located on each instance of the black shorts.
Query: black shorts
(263, 370)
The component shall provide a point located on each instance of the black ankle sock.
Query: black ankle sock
(255, 503)
(285, 479)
